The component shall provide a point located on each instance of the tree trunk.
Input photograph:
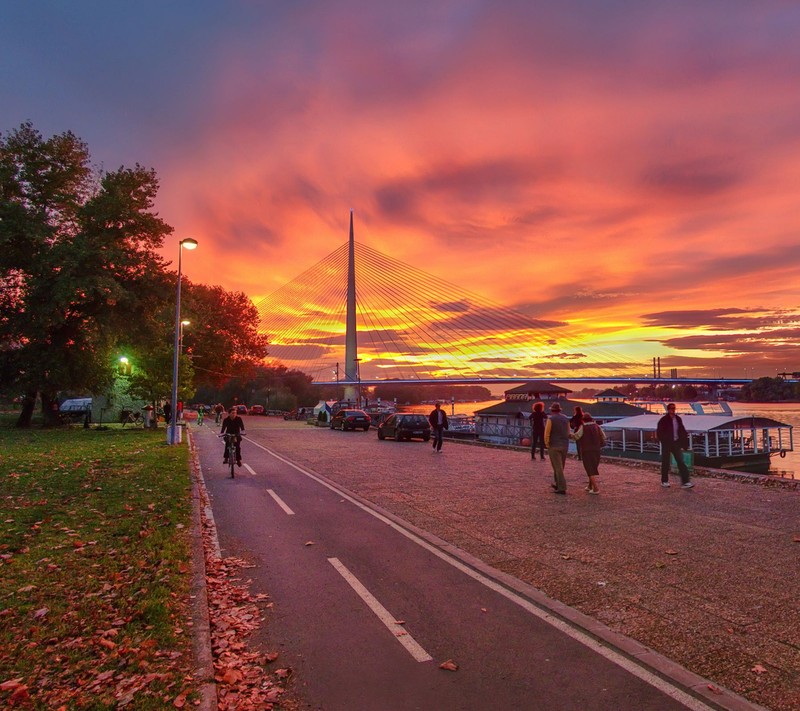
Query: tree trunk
(50, 410)
(28, 404)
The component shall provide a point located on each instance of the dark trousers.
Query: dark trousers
(673, 449)
(238, 448)
(537, 440)
(438, 433)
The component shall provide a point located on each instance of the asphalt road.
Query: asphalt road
(365, 610)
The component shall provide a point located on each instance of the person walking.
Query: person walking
(674, 439)
(592, 439)
(575, 423)
(167, 410)
(538, 421)
(556, 439)
(233, 425)
(438, 420)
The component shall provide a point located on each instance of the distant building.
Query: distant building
(507, 422)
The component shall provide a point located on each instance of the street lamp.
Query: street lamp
(183, 323)
(187, 243)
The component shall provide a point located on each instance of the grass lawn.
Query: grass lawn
(94, 569)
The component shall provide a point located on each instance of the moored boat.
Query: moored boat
(743, 443)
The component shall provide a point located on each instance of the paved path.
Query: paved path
(706, 577)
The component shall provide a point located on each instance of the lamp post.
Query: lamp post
(358, 380)
(187, 243)
(183, 323)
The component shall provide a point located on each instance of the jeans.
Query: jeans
(438, 433)
(238, 448)
(537, 440)
(673, 449)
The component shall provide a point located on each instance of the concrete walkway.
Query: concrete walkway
(707, 577)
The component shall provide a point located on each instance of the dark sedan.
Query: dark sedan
(405, 426)
(350, 420)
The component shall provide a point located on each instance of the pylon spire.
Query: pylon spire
(351, 336)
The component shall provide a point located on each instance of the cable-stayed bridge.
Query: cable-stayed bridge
(361, 316)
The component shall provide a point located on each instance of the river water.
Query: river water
(786, 412)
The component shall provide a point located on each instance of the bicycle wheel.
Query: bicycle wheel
(231, 458)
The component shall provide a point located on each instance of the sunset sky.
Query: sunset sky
(630, 170)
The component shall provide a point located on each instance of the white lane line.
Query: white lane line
(411, 645)
(612, 655)
(249, 468)
(280, 502)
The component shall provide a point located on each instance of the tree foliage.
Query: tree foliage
(78, 264)
(222, 338)
(769, 390)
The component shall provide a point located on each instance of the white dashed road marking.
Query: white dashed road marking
(411, 645)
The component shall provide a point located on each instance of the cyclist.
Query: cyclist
(201, 411)
(233, 425)
(218, 410)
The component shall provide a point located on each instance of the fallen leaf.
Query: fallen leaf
(41, 612)
(565, 556)
(759, 669)
(714, 689)
(231, 676)
(449, 665)
(11, 684)
(309, 543)
(671, 552)
(179, 701)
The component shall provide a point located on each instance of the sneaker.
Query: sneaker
(687, 485)
(556, 491)
(238, 462)
(587, 488)
(665, 484)
(592, 491)
(224, 461)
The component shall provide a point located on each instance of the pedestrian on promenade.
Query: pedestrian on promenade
(592, 439)
(167, 409)
(674, 439)
(438, 420)
(575, 423)
(556, 439)
(538, 420)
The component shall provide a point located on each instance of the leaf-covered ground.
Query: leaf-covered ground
(94, 570)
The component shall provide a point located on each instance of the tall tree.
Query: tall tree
(223, 340)
(78, 265)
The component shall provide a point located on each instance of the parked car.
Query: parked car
(257, 410)
(405, 425)
(241, 409)
(350, 420)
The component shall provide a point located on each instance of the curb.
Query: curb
(204, 671)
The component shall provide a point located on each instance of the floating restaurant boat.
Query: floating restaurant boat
(743, 442)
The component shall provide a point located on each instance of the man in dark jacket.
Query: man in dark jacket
(233, 425)
(674, 439)
(438, 420)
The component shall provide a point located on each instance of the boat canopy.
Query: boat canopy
(696, 423)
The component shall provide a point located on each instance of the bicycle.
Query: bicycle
(131, 418)
(230, 452)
